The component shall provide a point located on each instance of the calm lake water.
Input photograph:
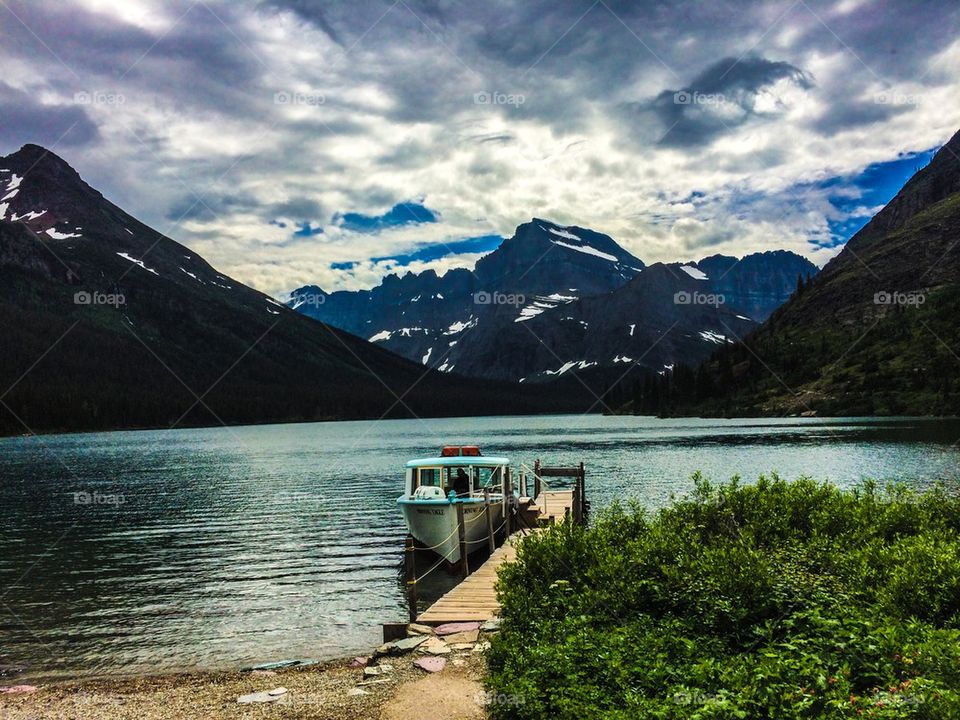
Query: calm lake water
(220, 548)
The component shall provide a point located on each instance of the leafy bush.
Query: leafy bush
(775, 600)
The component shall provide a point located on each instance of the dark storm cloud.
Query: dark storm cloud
(24, 119)
(719, 99)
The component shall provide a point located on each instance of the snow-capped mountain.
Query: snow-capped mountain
(553, 300)
(108, 323)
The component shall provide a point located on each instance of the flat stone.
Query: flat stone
(462, 646)
(468, 636)
(418, 629)
(359, 662)
(384, 649)
(491, 625)
(435, 646)
(431, 664)
(357, 691)
(19, 689)
(384, 668)
(276, 665)
(371, 671)
(408, 644)
(457, 627)
(262, 697)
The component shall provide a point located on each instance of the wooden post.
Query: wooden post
(491, 541)
(462, 535)
(575, 501)
(410, 565)
(583, 494)
(536, 479)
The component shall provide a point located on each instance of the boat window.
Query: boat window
(428, 476)
(488, 477)
(458, 480)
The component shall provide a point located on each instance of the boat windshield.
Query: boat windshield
(462, 479)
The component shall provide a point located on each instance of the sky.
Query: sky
(295, 142)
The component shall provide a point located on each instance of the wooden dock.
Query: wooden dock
(474, 598)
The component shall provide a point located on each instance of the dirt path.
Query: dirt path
(444, 696)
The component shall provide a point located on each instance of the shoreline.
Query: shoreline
(385, 684)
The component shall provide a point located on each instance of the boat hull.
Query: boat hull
(433, 524)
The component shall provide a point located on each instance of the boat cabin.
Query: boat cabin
(463, 470)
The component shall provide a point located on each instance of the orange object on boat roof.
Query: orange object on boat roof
(465, 451)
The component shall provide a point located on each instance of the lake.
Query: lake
(161, 551)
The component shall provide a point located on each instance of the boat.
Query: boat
(436, 487)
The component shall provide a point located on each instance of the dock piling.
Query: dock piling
(462, 537)
(410, 565)
(491, 540)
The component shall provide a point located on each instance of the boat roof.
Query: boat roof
(482, 460)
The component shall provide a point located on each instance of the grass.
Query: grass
(776, 600)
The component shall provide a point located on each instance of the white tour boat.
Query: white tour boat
(436, 486)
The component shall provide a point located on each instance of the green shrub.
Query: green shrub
(775, 600)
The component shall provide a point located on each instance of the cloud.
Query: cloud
(723, 97)
(246, 123)
(26, 119)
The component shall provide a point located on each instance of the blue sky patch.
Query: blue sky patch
(877, 184)
(434, 251)
(405, 213)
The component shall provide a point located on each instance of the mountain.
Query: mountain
(875, 332)
(108, 323)
(553, 300)
(426, 318)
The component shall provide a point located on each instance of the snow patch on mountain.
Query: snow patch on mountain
(135, 261)
(587, 250)
(380, 336)
(693, 272)
(711, 336)
(460, 326)
(62, 236)
(580, 364)
(426, 358)
(562, 233)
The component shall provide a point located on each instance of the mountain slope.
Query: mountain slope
(875, 332)
(107, 323)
